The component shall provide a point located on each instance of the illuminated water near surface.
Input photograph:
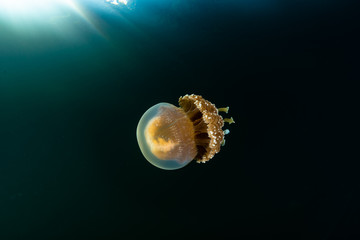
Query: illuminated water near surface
(65, 19)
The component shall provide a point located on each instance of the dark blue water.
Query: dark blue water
(75, 81)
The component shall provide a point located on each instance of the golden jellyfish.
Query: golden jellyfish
(170, 137)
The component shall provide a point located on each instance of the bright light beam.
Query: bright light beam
(69, 19)
(19, 10)
(117, 2)
(31, 17)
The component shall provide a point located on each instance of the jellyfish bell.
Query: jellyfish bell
(171, 137)
(165, 136)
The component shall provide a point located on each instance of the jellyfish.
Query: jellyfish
(171, 137)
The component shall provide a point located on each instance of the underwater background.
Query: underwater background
(75, 81)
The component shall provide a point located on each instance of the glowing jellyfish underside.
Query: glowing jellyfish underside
(170, 137)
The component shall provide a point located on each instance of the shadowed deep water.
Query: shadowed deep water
(70, 165)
